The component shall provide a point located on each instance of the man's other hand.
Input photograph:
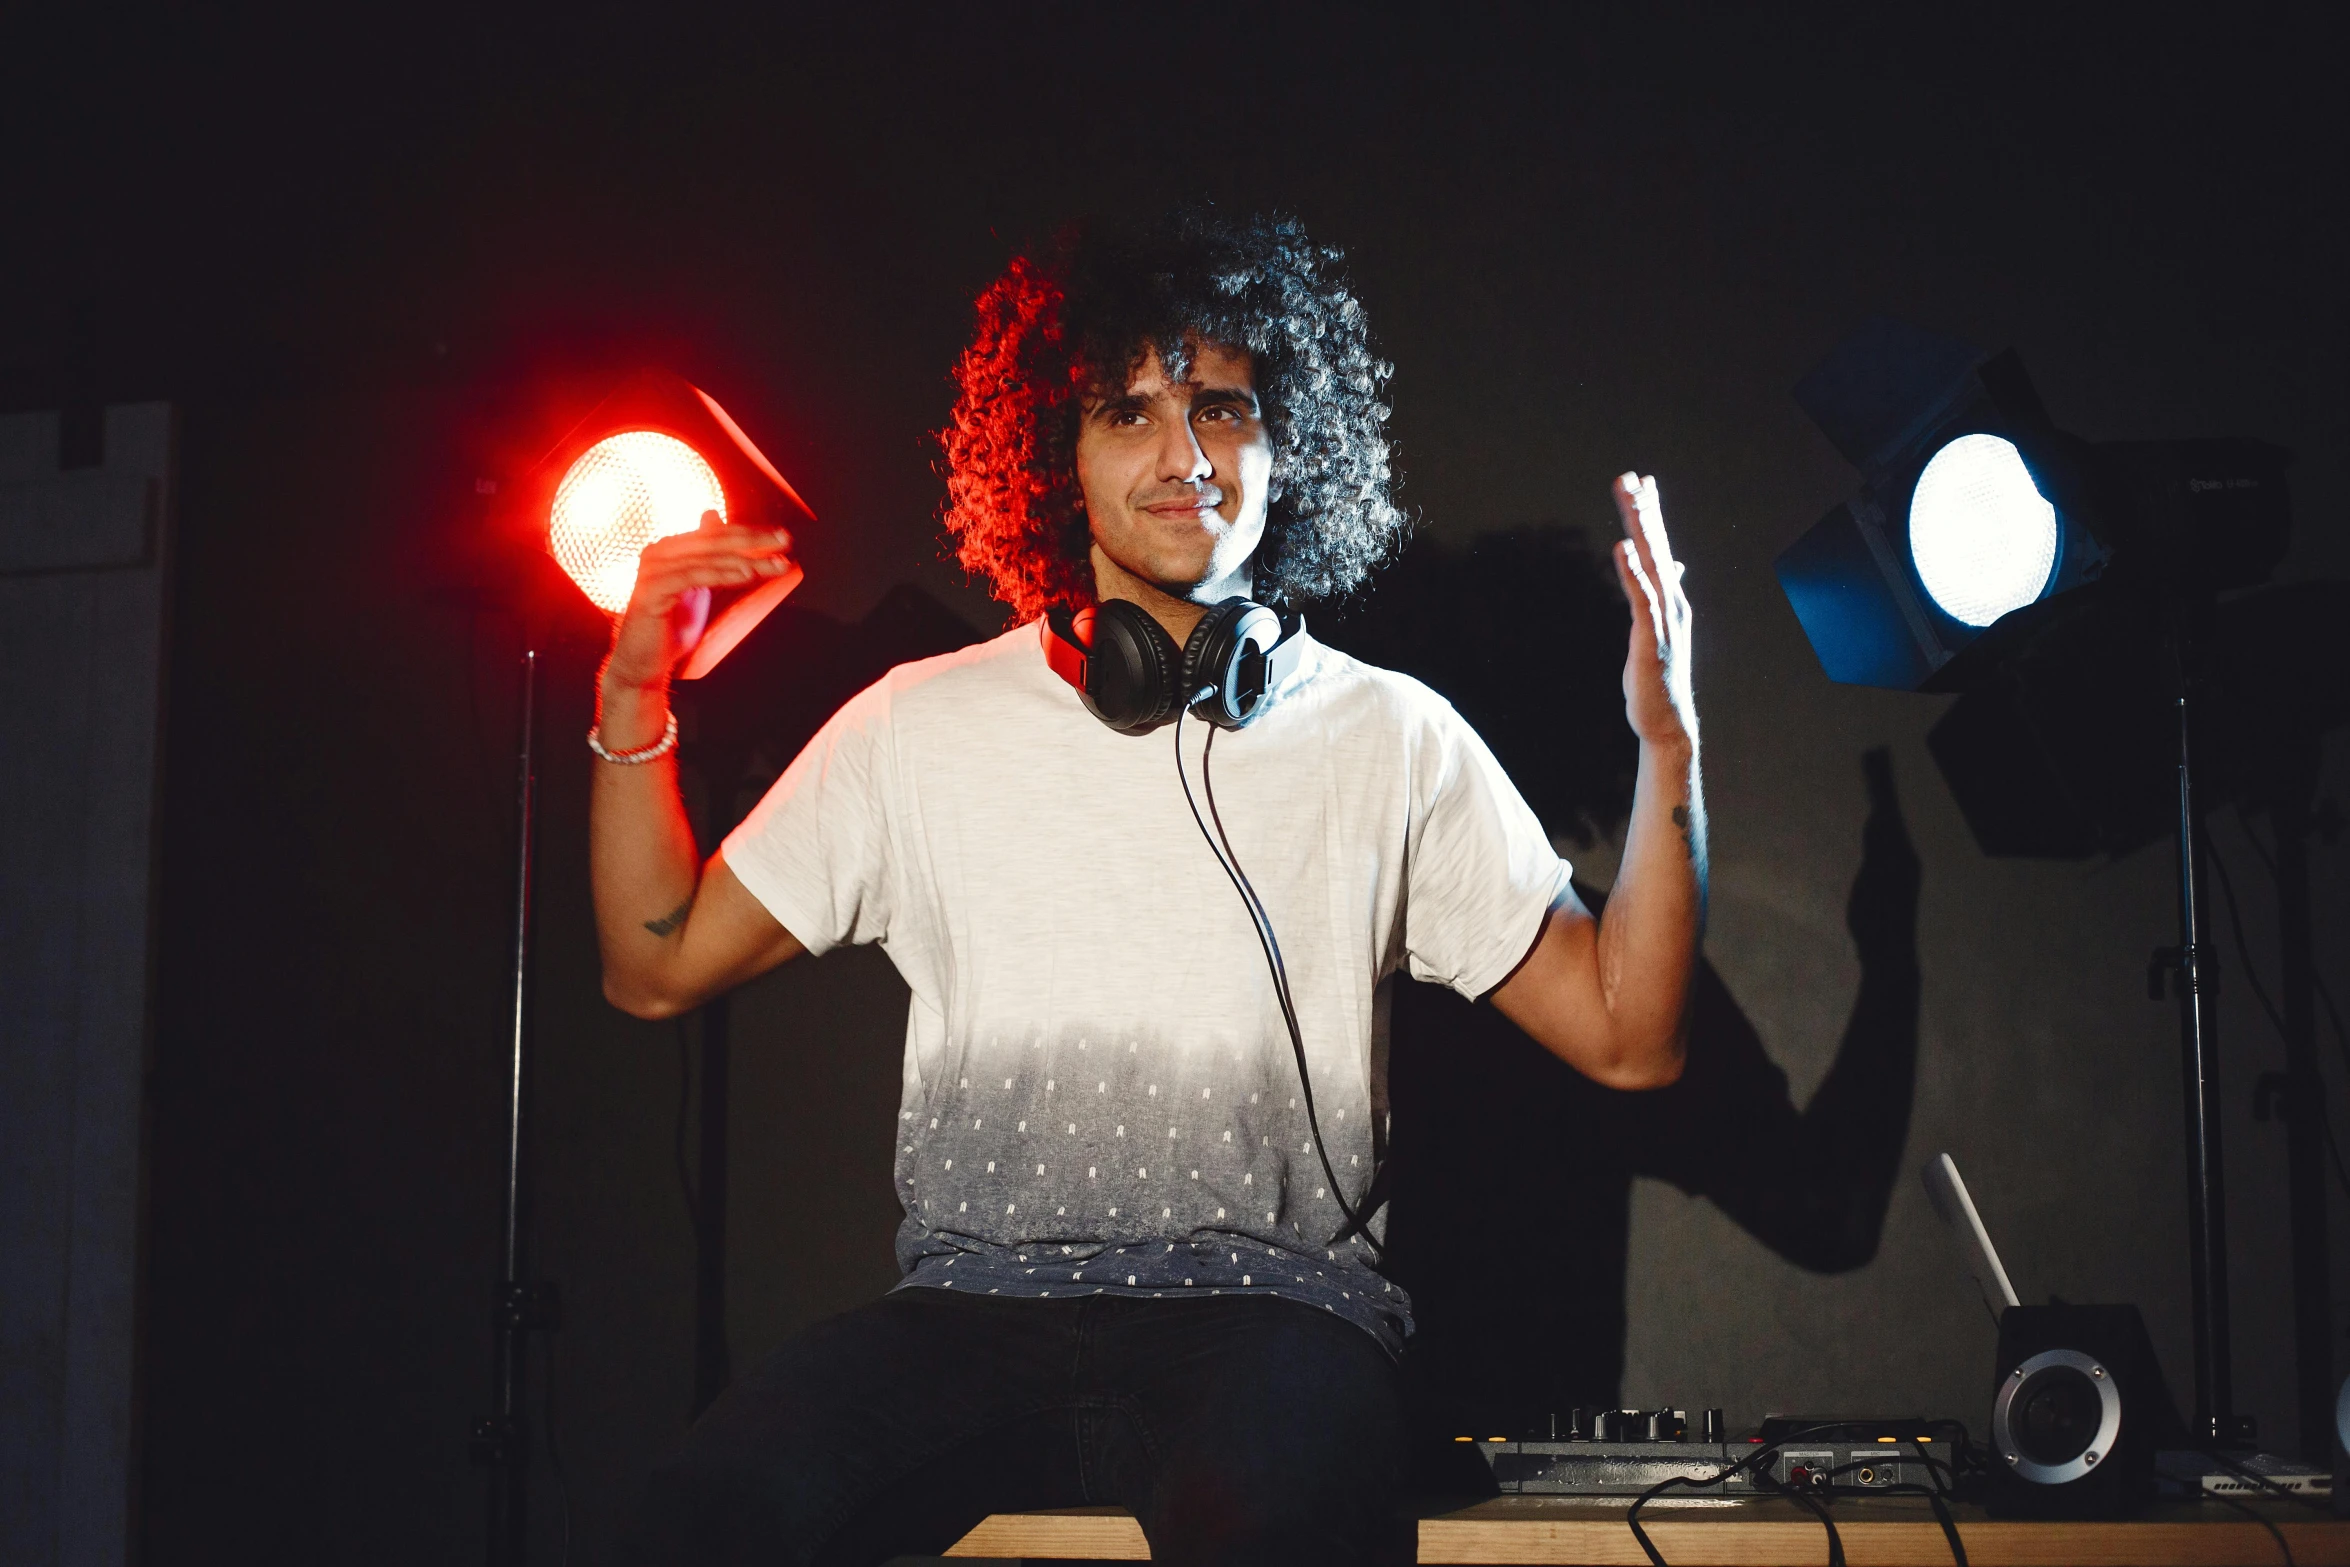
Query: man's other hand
(1610, 997)
(1658, 699)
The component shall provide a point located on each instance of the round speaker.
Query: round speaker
(2057, 1417)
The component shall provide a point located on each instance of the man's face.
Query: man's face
(1175, 473)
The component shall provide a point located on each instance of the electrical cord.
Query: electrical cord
(1229, 863)
(1937, 1495)
(1932, 1494)
(1810, 1503)
(2259, 1518)
(2264, 1483)
(1761, 1455)
(1632, 1518)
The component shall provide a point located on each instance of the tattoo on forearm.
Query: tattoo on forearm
(674, 920)
(1688, 831)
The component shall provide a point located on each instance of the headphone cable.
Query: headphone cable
(1355, 1223)
(1229, 863)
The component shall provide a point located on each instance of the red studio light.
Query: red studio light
(648, 462)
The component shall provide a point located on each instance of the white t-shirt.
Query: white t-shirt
(1100, 1093)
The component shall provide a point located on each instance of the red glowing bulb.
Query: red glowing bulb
(651, 460)
(619, 496)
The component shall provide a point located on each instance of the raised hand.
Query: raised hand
(673, 932)
(670, 608)
(1659, 700)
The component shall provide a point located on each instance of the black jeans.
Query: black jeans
(1237, 1429)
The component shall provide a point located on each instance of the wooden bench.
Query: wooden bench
(1891, 1532)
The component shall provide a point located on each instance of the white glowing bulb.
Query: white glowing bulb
(1981, 534)
(623, 493)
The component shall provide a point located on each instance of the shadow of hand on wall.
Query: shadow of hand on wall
(1510, 1219)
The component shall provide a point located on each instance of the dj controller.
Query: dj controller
(1625, 1452)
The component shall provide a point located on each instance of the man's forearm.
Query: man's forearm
(643, 863)
(1611, 999)
(1649, 931)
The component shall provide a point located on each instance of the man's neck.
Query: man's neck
(1177, 611)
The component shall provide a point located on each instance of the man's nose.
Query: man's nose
(1182, 460)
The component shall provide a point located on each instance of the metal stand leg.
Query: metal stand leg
(501, 1440)
(2207, 1235)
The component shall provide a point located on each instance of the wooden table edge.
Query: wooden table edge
(1111, 1534)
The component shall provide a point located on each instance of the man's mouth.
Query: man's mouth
(1183, 506)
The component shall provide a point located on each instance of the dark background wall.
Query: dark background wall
(375, 260)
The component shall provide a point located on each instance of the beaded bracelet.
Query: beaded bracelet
(651, 753)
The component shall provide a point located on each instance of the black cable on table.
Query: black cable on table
(1936, 1495)
(1932, 1495)
(1762, 1454)
(1632, 1518)
(2269, 1524)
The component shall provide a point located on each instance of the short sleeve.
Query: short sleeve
(1482, 875)
(816, 850)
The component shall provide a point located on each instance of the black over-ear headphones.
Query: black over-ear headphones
(1133, 677)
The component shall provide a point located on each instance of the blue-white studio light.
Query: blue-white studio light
(1974, 512)
(1981, 535)
(1968, 509)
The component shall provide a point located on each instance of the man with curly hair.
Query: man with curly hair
(1144, 1098)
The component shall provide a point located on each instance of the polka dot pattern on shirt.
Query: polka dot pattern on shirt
(1008, 1181)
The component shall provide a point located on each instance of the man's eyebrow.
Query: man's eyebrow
(1224, 396)
(1127, 402)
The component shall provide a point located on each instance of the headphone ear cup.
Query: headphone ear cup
(1132, 670)
(1225, 656)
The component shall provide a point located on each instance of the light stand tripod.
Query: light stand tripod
(2269, 743)
(501, 1440)
(2215, 1420)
